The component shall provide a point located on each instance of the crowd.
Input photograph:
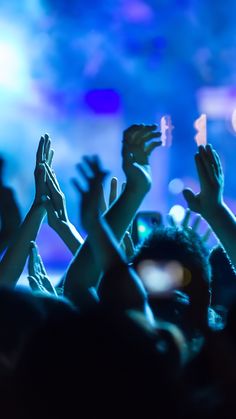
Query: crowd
(102, 343)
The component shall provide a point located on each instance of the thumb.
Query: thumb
(191, 200)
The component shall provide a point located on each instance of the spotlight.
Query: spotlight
(12, 66)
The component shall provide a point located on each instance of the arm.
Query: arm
(135, 154)
(13, 261)
(57, 213)
(120, 287)
(209, 201)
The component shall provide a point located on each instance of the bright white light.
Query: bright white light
(161, 277)
(176, 186)
(178, 213)
(141, 228)
(12, 66)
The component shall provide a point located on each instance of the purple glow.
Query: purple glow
(137, 11)
(103, 101)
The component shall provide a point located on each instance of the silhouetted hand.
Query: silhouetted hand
(44, 155)
(135, 152)
(56, 204)
(92, 174)
(37, 275)
(211, 180)
(194, 226)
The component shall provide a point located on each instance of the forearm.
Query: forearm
(13, 261)
(120, 286)
(223, 223)
(123, 211)
(70, 236)
(118, 217)
(105, 248)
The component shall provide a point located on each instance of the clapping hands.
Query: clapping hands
(44, 156)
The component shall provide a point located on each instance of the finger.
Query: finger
(48, 285)
(130, 228)
(196, 223)
(50, 157)
(113, 190)
(144, 132)
(31, 265)
(191, 200)
(55, 180)
(186, 219)
(51, 178)
(40, 177)
(55, 194)
(41, 265)
(219, 164)
(123, 186)
(150, 147)
(210, 154)
(39, 153)
(34, 285)
(201, 170)
(95, 166)
(83, 171)
(47, 147)
(206, 162)
(101, 200)
(77, 185)
(171, 221)
(34, 253)
(206, 235)
(129, 245)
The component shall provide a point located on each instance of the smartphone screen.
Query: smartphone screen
(144, 223)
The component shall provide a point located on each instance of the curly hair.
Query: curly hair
(184, 246)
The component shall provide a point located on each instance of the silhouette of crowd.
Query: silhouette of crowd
(130, 330)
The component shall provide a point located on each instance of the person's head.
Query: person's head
(179, 258)
(101, 356)
(223, 278)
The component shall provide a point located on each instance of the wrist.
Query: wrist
(39, 207)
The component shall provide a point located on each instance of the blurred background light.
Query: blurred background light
(103, 101)
(176, 186)
(177, 212)
(84, 74)
(12, 66)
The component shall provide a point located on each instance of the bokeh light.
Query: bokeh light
(177, 212)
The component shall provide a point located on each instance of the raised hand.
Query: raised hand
(136, 151)
(92, 174)
(57, 212)
(44, 155)
(37, 275)
(209, 201)
(56, 204)
(194, 226)
(211, 180)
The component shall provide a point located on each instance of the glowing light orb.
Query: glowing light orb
(176, 186)
(178, 213)
(161, 277)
